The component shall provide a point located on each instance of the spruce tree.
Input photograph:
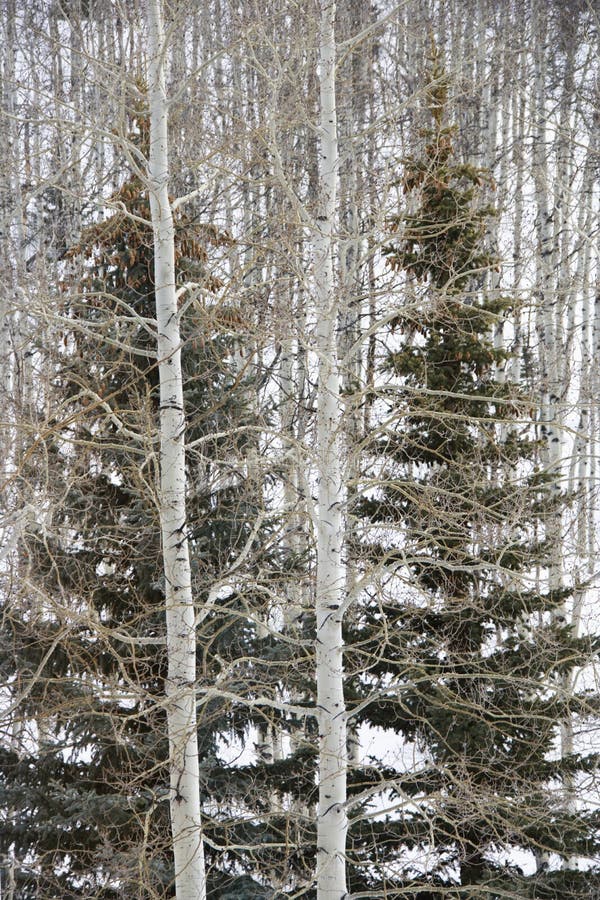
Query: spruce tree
(468, 654)
(87, 786)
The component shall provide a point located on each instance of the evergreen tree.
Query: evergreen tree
(87, 785)
(467, 653)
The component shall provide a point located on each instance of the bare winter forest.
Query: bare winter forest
(300, 435)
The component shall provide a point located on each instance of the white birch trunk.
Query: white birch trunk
(551, 431)
(331, 817)
(357, 78)
(518, 160)
(579, 482)
(188, 852)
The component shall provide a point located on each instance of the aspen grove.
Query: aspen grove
(299, 504)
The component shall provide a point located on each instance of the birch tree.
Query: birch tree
(332, 822)
(188, 851)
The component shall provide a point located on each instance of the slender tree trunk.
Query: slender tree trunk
(181, 634)
(548, 321)
(579, 482)
(331, 578)
(13, 381)
(518, 162)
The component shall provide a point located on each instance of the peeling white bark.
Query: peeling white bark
(548, 327)
(332, 822)
(186, 831)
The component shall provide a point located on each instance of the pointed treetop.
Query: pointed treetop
(442, 240)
